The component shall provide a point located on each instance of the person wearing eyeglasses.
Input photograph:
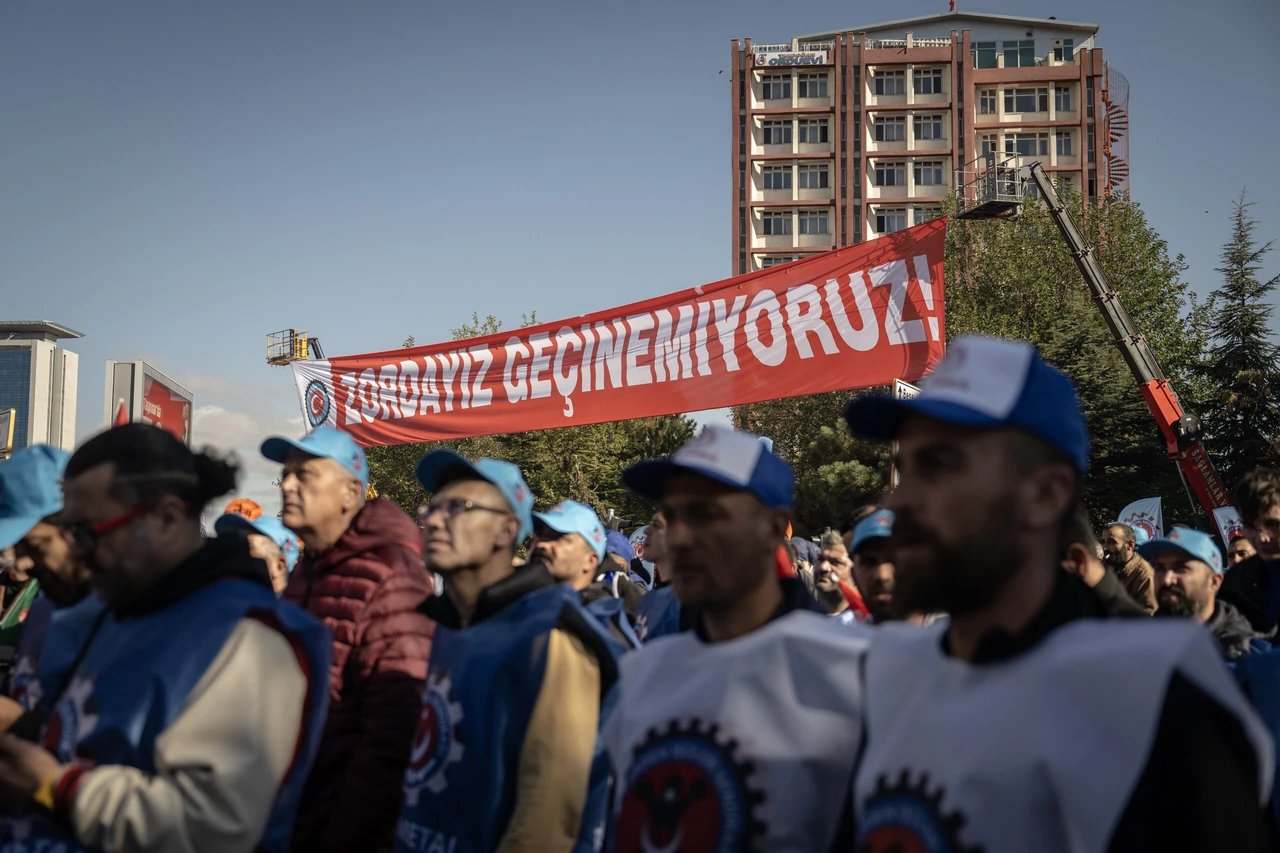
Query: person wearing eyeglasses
(361, 572)
(507, 756)
(183, 714)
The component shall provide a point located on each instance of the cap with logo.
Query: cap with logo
(1190, 543)
(572, 517)
(986, 383)
(734, 458)
(878, 525)
(324, 442)
(30, 490)
(441, 467)
(272, 528)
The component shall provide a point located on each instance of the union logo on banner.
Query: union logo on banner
(1146, 515)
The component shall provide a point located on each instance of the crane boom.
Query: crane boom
(1180, 430)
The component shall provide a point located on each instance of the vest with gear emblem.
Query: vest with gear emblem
(133, 681)
(1037, 752)
(459, 789)
(62, 631)
(657, 614)
(744, 745)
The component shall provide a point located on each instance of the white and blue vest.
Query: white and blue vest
(1038, 752)
(134, 679)
(747, 744)
(460, 784)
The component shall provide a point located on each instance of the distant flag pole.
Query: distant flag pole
(122, 415)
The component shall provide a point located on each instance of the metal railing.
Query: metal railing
(814, 46)
(771, 48)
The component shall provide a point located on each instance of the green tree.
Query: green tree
(1242, 422)
(583, 463)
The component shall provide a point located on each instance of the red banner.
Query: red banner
(850, 318)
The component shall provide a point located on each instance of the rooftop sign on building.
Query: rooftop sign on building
(813, 57)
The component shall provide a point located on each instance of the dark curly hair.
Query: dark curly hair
(1257, 492)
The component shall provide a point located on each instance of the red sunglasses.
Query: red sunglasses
(86, 535)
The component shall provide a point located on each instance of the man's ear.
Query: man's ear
(1215, 580)
(1076, 560)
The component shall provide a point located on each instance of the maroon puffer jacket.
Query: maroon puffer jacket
(367, 589)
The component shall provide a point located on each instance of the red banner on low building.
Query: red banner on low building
(850, 318)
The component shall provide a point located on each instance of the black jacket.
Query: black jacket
(1233, 630)
(1248, 587)
(1115, 599)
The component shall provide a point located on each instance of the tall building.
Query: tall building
(844, 136)
(38, 379)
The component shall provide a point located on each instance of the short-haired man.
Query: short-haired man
(831, 574)
(184, 715)
(361, 572)
(1239, 550)
(1188, 572)
(507, 755)
(1025, 721)
(742, 733)
(1255, 582)
(569, 540)
(658, 613)
(1120, 552)
(269, 540)
(1082, 557)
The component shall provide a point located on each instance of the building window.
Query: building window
(1092, 154)
(984, 54)
(1026, 100)
(928, 127)
(988, 143)
(928, 173)
(857, 224)
(777, 177)
(1027, 144)
(1020, 54)
(776, 222)
(774, 261)
(777, 132)
(987, 102)
(1066, 52)
(890, 173)
(813, 130)
(1093, 183)
(813, 222)
(926, 214)
(777, 87)
(1062, 99)
(927, 82)
(813, 85)
(889, 221)
(1064, 143)
(1089, 97)
(890, 83)
(891, 128)
(813, 177)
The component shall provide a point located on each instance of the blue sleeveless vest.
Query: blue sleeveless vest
(134, 680)
(63, 630)
(1259, 675)
(460, 784)
(658, 614)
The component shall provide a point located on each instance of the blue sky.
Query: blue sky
(180, 179)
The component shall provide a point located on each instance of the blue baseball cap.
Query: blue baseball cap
(573, 517)
(325, 442)
(616, 542)
(735, 458)
(1191, 543)
(441, 467)
(878, 525)
(272, 528)
(30, 490)
(986, 383)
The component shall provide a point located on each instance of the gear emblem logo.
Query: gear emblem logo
(907, 817)
(24, 687)
(436, 744)
(688, 789)
(318, 402)
(73, 719)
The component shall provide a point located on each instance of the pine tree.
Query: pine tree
(1242, 420)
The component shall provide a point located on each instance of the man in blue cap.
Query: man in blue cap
(1026, 681)
(570, 541)
(741, 733)
(506, 753)
(1188, 572)
(30, 503)
(269, 540)
(361, 571)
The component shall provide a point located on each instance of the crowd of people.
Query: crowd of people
(969, 666)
